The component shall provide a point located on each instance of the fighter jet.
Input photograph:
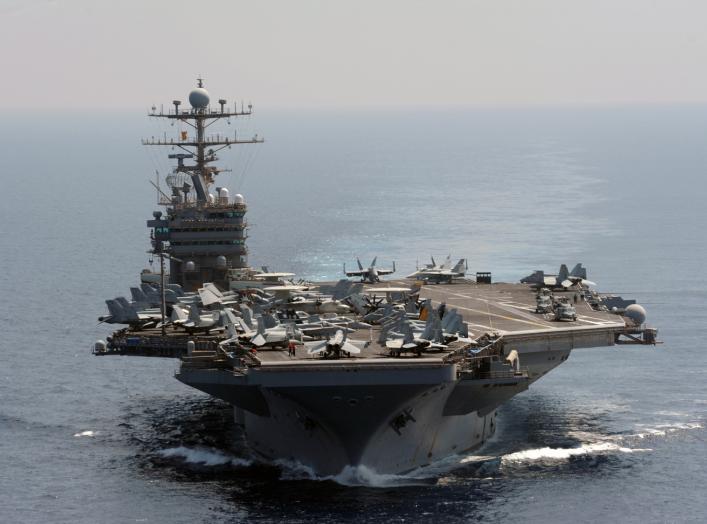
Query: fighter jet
(271, 333)
(210, 294)
(444, 265)
(193, 320)
(327, 325)
(431, 337)
(578, 275)
(124, 312)
(372, 274)
(334, 347)
(565, 279)
(441, 274)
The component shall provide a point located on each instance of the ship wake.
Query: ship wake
(203, 456)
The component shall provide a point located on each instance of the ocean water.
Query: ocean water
(614, 434)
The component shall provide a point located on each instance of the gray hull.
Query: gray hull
(363, 434)
(391, 417)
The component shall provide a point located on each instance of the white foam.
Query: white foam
(353, 476)
(293, 470)
(204, 456)
(364, 476)
(558, 454)
(87, 433)
(655, 430)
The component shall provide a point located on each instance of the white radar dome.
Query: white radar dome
(199, 98)
(190, 266)
(221, 262)
(636, 313)
(238, 199)
(223, 192)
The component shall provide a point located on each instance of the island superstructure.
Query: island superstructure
(202, 232)
(389, 375)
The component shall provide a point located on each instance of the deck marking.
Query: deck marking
(488, 313)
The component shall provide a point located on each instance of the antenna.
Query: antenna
(197, 145)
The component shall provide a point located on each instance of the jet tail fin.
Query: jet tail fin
(178, 315)
(138, 295)
(115, 311)
(247, 314)
(129, 312)
(429, 329)
(194, 314)
(579, 272)
(230, 323)
(261, 325)
(460, 267)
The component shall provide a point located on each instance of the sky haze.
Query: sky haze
(322, 54)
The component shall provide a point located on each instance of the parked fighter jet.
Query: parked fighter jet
(410, 343)
(563, 280)
(210, 294)
(274, 335)
(431, 337)
(193, 320)
(124, 312)
(578, 275)
(335, 346)
(444, 265)
(327, 325)
(372, 274)
(443, 273)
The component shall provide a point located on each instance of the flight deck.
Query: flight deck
(505, 309)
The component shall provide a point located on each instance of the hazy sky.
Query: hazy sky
(131, 53)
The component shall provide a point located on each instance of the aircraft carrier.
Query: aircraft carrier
(391, 375)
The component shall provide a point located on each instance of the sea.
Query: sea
(613, 435)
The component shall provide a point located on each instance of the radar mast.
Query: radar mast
(197, 146)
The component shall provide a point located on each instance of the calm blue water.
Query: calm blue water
(614, 434)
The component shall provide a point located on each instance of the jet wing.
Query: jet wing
(350, 347)
(258, 340)
(208, 297)
(315, 347)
